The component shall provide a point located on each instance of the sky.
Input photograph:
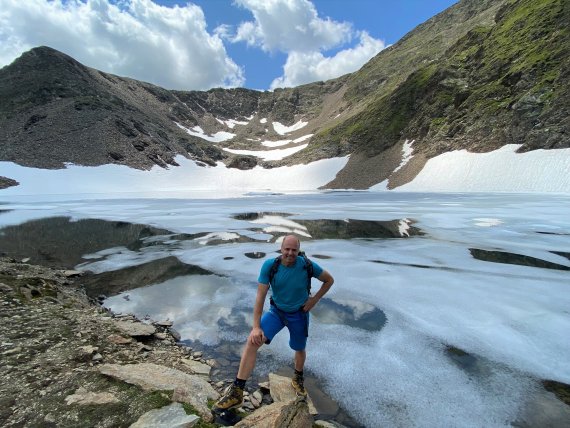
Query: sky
(201, 44)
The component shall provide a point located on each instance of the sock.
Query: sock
(240, 383)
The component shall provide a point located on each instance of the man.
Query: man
(290, 307)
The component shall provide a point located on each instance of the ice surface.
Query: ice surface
(512, 319)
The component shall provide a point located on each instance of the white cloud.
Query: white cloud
(168, 46)
(294, 27)
(287, 25)
(305, 67)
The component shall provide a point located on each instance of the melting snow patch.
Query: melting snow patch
(269, 154)
(303, 138)
(407, 151)
(199, 132)
(231, 123)
(263, 120)
(278, 143)
(282, 129)
(502, 170)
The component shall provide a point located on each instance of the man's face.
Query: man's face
(289, 250)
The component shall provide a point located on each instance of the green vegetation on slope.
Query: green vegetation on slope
(498, 84)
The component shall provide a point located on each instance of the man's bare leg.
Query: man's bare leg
(247, 362)
(300, 357)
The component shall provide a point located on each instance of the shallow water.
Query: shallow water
(447, 309)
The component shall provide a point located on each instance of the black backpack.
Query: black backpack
(308, 267)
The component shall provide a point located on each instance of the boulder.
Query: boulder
(292, 414)
(282, 391)
(135, 329)
(119, 340)
(197, 367)
(171, 416)
(192, 389)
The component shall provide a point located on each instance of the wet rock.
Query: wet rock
(171, 416)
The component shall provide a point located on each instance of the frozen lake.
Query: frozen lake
(447, 309)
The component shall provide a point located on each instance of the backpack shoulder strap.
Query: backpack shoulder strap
(310, 270)
(274, 269)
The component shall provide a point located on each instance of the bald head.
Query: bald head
(291, 240)
(289, 250)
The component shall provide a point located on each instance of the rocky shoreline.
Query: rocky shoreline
(68, 362)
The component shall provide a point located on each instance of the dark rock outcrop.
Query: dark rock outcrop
(477, 76)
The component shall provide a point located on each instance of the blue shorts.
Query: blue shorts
(297, 323)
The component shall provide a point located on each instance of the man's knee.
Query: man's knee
(252, 347)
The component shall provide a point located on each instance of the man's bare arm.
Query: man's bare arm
(327, 282)
(256, 336)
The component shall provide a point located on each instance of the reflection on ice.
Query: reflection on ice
(514, 259)
(280, 224)
(197, 304)
(352, 313)
(467, 342)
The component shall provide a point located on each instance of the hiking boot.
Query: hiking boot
(297, 383)
(233, 397)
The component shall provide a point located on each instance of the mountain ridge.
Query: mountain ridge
(477, 76)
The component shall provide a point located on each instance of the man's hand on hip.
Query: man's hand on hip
(310, 303)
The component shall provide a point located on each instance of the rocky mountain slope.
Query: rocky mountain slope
(479, 75)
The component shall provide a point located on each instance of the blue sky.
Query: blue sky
(259, 44)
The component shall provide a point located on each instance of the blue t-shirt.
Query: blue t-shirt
(289, 290)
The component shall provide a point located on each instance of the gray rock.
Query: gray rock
(171, 416)
(197, 367)
(192, 389)
(83, 397)
(72, 273)
(119, 340)
(292, 414)
(328, 424)
(135, 329)
(174, 333)
(282, 391)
